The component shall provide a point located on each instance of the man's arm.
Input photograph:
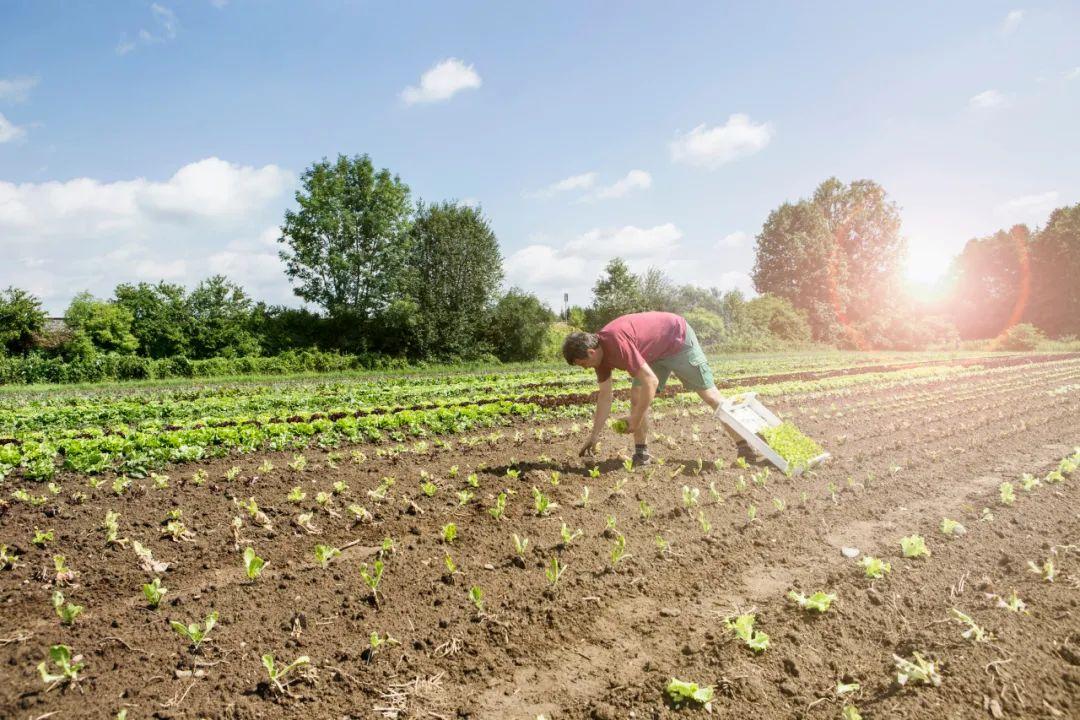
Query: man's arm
(641, 396)
(600, 416)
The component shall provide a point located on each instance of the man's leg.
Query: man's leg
(638, 393)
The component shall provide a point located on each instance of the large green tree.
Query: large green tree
(99, 325)
(160, 319)
(518, 326)
(836, 256)
(990, 279)
(21, 320)
(617, 292)
(1055, 274)
(221, 316)
(455, 269)
(346, 244)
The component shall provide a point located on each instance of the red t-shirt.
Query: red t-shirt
(634, 340)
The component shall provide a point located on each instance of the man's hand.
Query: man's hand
(589, 447)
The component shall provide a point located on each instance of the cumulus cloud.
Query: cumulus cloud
(1011, 22)
(1031, 209)
(208, 216)
(712, 147)
(987, 99)
(17, 89)
(733, 240)
(584, 181)
(9, 131)
(634, 180)
(163, 29)
(441, 82)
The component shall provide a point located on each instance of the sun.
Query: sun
(926, 270)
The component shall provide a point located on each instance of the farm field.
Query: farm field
(392, 514)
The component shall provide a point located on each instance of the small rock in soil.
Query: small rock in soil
(669, 612)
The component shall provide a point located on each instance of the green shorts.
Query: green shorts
(689, 365)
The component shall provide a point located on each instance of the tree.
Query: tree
(221, 316)
(1055, 274)
(616, 292)
(347, 242)
(657, 291)
(836, 256)
(21, 319)
(518, 326)
(99, 325)
(991, 280)
(779, 318)
(160, 320)
(708, 326)
(455, 269)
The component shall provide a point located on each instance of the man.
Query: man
(650, 346)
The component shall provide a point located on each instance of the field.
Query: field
(629, 578)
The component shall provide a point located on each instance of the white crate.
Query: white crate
(745, 415)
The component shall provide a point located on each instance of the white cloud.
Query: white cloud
(733, 240)
(628, 242)
(470, 202)
(9, 131)
(208, 216)
(634, 180)
(712, 147)
(1011, 22)
(1031, 209)
(584, 181)
(164, 30)
(441, 82)
(987, 99)
(17, 89)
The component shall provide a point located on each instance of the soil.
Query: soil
(605, 641)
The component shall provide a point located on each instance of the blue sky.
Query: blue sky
(146, 140)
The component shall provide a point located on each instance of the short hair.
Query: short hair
(577, 345)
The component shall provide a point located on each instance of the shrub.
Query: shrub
(1024, 336)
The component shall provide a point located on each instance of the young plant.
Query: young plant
(298, 464)
(645, 509)
(618, 550)
(972, 632)
(521, 544)
(195, 633)
(569, 537)
(325, 553)
(473, 480)
(68, 666)
(111, 526)
(1029, 482)
(7, 559)
(153, 592)
(449, 533)
(232, 473)
(429, 488)
(743, 627)
(1046, 570)
(373, 577)
(542, 502)
(690, 496)
(714, 494)
(278, 674)
(476, 596)
(359, 513)
(1007, 494)
(380, 492)
(703, 522)
(663, 547)
(499, 508)
(253, 564)
(751, 512)
(66, 612)
(681, 691)
(595, 471)
(554, 571)
(463, 497)
(952, 527)
(1013, 603)
(914, 546)
(875, 568)
(296, 495)
(819, 602)
(41, 538)
(555, 477)
(920, 671)
(583, 501)
(64, 575)
(265, 467)
(779, 504)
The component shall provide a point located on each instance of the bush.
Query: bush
(1024, 336)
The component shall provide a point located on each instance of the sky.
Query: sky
(142, 141)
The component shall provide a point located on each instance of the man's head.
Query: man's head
(583, 349)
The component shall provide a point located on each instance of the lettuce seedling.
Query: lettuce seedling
(277, 674)
(359, 513)
(339, 487)
(779, 504)
(1008, 497)
(875, 568)
(690, 496)
(743, 627)
(67, 613)
(850, 712)
(622, 427)
(662, 546)
(476, 596)
(111, 526)
(41, 538)
(952, 527)
(791, 444)
(513, 473)
(973, 631)
(153, 592)
(253, 564)
(628, 464)
(266, 467)
(373, 578)
(463, 497)
(69, 666)
(325, 553)
(645, 509)
(499, 508)
(569, 537)
(555, 477)
(1029, 482)
(554, 571)
(146, 559)
(751, 512)
(380, 492)
(473, 480)
(914, 546)
(1013, 603)
(449, 533)
(64, 574)
(429, 488)
(1046, 570)
(296, 495)
(583, 501)
(921, 671)
(7, 560)
(521, 544)
(194, 632)
(681, 691)
(618, 550)
(845, 688)
(819, 601)
(541, 502)
(299, 463)
(703, 522)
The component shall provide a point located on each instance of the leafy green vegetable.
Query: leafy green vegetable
(875, 568)
(819, 601)
(620, 426)
(277, 674)
(743, 627)
(681, 691)
(952, 527)
(195, 633)
(914, 546)
(153, 592)
(920, 671)
(69, 666)
(253, 564)
(791, 444)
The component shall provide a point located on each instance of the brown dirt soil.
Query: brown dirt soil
(605, 642)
